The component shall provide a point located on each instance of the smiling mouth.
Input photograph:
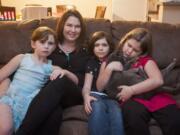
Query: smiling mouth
(72, 36)
(45, 51)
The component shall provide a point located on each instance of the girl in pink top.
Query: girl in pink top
(137, 110)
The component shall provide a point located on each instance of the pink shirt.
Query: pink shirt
(159, 100)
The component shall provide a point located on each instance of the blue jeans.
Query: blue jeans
(106, 117)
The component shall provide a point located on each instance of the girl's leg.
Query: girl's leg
(98, 119)
(4, 86)
(6, 121)
(115, 118)
(136, 118)
(168, 119)
(46, 102)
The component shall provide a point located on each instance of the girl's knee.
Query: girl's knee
(98, 106)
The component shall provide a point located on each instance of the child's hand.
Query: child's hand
(125, 93)
(87, 103)
(115, 66)
(56, 73)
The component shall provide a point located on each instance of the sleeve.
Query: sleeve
(144, 60)
(91, 67)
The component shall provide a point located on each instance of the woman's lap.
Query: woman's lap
(46, 102)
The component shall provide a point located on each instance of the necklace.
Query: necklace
(66, 49)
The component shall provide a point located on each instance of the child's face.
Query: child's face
(131, 48)
(44, 48)
(101, 48)
(72, 29)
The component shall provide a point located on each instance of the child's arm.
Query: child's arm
(4, 86)
(86, 92)
(10, 67)
(154, 80)
(57, 71)
(105, 73)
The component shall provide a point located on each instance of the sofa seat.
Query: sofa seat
(75, 122)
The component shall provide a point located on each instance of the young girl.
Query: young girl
(138, 111)
(32, 71)
(104, 114)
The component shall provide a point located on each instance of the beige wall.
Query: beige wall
(129, 10)
(169, 14)
(116, 9)
(86, 7)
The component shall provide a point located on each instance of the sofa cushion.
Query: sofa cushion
(166, 41)
(75, 122)
(76, 112)
(97, 25)
(91, 23)
(74, 127)
(50, 22)
(15, 38)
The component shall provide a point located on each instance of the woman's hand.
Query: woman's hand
(57, 73)
(87, 103)
(126, 92)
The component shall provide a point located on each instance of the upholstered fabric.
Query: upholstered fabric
(15, 38)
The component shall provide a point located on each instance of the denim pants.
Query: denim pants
(106, 117)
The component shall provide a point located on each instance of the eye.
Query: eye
(78, 26)
(96, 45)
(105, 45)
(51, 43)
(42, 41)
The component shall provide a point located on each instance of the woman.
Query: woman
(45, 112)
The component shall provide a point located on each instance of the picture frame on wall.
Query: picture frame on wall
(7, 13)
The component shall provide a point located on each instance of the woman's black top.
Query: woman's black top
(75, 62)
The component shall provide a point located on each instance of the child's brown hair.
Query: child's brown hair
(141, 35)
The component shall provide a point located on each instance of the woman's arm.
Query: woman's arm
(154, 80)
(57, 71)
(10, 67)
(105, 73)
(72, 76)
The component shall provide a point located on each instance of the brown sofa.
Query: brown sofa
(15, 38)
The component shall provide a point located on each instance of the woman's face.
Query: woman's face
(131, 48)
(101, 48)
(72, 29)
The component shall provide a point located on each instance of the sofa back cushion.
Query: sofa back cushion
(91, 24)
(15, 38)
(50, 22)
(166, 39)
(94, 25)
